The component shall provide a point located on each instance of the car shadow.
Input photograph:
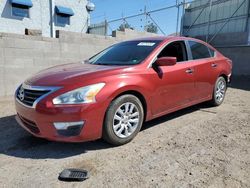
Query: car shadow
(173, 115)
(15, 141)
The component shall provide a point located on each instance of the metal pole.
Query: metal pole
(178, 14)
(156, 24)
(123, 21)
(106, 28)
(141, 14)
(51, 5)
(209, 18)
(183, 16)
(247, 29)
(146, 17)
(247, 14)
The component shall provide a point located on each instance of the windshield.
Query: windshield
(125, 53)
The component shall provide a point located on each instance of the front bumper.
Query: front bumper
(39, 121)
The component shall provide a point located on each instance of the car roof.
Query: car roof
(172, 38)
(164, 38)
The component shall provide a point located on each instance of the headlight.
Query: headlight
(81, 95)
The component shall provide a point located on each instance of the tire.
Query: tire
(219, 91)
(121, 125)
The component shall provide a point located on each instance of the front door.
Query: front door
(174, 84)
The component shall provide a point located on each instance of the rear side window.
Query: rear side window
(198, 50)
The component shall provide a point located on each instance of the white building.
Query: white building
(46, 16)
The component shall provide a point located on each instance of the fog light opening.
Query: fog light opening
(69, 128)
(66, 125)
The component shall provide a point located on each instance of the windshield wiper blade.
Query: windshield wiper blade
(101, 64)
(111, 64)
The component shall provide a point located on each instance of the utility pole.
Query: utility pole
(178, 14)
(248, 23)
(209, 18)
(146, 17)
(183, 16)
(51, 8)
(123, 21)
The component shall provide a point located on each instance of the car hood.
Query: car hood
(68, 74)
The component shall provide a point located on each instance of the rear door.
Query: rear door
(205, 72)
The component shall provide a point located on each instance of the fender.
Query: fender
(134, 88)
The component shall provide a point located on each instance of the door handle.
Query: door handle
(214, 65)
(189, 71)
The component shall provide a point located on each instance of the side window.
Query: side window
(62, 20)
(20, 11)
(63, 15)
(198, 50)
(175, 49)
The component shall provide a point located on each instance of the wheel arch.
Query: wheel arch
(140, 96)
(224, 76)
(137, 94)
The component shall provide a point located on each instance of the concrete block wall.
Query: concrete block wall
(130, 34)
(21, 55)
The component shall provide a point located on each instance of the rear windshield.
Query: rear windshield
(125, 53)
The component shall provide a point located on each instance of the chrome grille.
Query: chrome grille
(29, 96)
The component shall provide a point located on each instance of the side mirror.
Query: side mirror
(166, 61)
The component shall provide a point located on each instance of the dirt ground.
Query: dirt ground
(195, 147)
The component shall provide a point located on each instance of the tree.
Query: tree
(124, 26)
(151, 28)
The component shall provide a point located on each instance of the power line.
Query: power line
(156, 24)
(147, 13)
(141, 14)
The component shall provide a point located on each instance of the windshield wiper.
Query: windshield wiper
(106, 64)
(101, 64)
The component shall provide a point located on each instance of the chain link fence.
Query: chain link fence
(164, 20)
(205, 19)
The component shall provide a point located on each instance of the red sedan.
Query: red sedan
(114, 92)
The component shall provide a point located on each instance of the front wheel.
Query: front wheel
(219, 91)
(123, 120)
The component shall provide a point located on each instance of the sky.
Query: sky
(113, 9)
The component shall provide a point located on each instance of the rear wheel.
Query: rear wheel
(123, 120)
(219, 91)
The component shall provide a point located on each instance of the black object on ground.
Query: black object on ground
(73, 175)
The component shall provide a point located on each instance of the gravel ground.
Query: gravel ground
(199, 146)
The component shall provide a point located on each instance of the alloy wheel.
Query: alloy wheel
(220, 91)
(126, 120)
